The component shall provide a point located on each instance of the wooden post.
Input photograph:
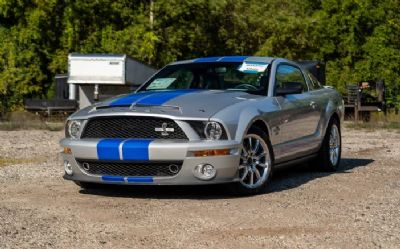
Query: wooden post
(151, 13)
(357, 105)
(356, 112)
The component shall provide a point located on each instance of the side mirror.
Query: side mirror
(289, 88)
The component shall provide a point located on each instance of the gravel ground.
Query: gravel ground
(358, 207)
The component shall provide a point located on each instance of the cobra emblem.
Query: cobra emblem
(164, 129)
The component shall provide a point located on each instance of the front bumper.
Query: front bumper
(158, 150)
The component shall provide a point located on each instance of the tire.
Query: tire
(88, 185)
(329, 155)
(256, 163)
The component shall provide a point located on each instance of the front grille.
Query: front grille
(130, 168)
(131, 127)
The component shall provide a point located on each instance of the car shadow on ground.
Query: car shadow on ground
(283, 179)
(297, 175)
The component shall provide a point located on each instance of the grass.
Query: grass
(4, 161)
(378, 120)
(29, 121)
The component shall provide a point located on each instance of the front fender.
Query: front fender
(238, 118)
(246, 120)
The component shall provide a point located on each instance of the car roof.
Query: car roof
(226, 59)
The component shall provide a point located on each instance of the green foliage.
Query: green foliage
(359, 40)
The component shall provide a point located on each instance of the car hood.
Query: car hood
(179, 103)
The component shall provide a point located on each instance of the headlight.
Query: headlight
(213, 130)
(73, 129)
(209, 130)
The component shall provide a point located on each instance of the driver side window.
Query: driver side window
(288, 76)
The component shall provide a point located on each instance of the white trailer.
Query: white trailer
(102, 75)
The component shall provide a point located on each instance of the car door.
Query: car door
(299, 116)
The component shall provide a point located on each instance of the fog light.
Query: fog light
(68, 167)
(173, 168)
(205, 171)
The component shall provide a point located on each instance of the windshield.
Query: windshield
(246, 76)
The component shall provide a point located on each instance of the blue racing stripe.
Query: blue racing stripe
(233, 58)
(136, 150)
(140, 179)
(163, 97)
(208, 59)
(150, 97)
(130, 99)
(108, 149)
(113, 178)
(221, 59)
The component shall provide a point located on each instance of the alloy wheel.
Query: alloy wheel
(255, 161)
(334, 145)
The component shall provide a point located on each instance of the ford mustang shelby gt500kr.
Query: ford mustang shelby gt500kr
(205, 121)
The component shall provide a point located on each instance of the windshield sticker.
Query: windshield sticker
(161, 83)
(253, 67)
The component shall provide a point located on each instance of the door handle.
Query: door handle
(313, 104)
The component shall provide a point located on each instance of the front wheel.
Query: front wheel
(255, 165)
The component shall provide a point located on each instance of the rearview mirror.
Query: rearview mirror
(289, 88)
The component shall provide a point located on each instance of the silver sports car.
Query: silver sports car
(211, 120)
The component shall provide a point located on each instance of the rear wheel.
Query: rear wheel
(255, 165)
(331, 149)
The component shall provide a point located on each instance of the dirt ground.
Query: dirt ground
(357, 207)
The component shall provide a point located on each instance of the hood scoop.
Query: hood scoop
(137, 107)
(104, 107)
(156, 108)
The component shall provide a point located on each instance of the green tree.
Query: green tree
(359, 40)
